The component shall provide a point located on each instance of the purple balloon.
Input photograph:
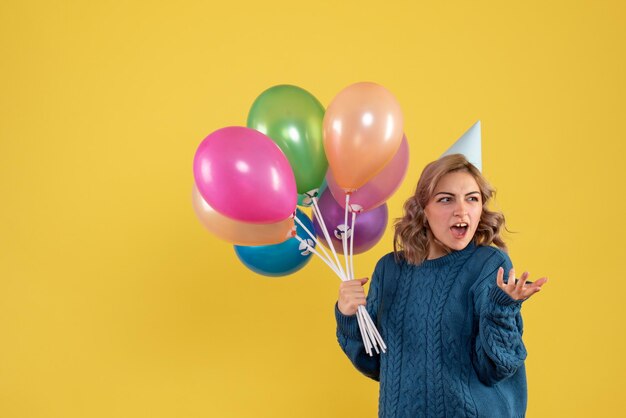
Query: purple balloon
(369, 226)
(243, 175)
(380, 188)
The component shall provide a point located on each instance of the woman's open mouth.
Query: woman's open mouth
(459, 230)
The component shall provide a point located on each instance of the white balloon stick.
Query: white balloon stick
(320, 256)
(364, 336)
(364, 332)
(318, 214)
(352, 244)
(328, 259)
(344, 238)
(376, 333)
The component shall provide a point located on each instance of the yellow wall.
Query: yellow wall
(115, 302)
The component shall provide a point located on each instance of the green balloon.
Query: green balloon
(292, 117)
(305, 199)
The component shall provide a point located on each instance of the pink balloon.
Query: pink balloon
(243, 175)
(376, 191)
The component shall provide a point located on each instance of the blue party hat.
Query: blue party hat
(469, 144)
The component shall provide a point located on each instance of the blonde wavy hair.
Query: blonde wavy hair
(413, 237)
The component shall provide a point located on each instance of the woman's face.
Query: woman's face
(453, 212)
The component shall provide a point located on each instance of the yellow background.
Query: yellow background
(115, 302)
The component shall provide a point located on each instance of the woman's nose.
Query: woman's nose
(460, 209)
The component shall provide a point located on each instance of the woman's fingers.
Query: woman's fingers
(354, 283)
(536, 286)
(353, 286)
(510, 284)
(520, 289)
(351, 295)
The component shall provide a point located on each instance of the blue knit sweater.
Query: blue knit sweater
(454, 337)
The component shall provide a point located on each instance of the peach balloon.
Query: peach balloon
(237, 232)
(363, 128)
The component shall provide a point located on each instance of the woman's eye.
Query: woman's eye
(444, 199)
(473, 198)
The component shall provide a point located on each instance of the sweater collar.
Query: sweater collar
(450, 257)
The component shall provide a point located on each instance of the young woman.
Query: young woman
(451, 323)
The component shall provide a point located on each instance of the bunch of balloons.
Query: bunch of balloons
(248, 180)
(245, 176)
(348, 159)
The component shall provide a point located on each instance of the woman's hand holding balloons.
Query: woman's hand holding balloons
(520, 290)
(351, 295)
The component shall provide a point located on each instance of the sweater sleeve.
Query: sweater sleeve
(498, 348)
(349, 336)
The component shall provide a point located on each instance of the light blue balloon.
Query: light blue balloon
(279, 259)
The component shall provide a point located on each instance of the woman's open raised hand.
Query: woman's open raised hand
(520, 290)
